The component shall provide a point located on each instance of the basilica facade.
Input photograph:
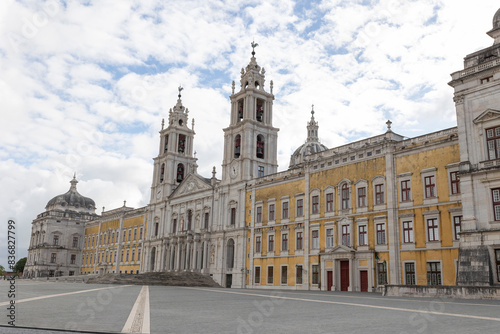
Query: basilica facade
(382, 210)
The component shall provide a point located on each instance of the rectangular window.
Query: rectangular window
(129, 235)
(315, 274)
(73, 259)
(329, 202)
(75, 242)
(140, 233)
(53, 258)
(382, 273)
(455, 183)
(299, 241)
(430, 186)
(284, 242)
(259, 215)
(497, 256)
(284, 275)
(457, 227)
(363, 241)
(362, 197)
(284, 214)
(329, 238)
(379, 194)
(315, 205)
(346, 235)
(135, 234)
(233, 216)
(493, 143)
(405, 191)
(257, 275)
(433, 273)
(495, 193)
(270, 275)
(345, 197)
(298, 274)
(174, 226)
(407, 232)
(270, 244)
(432, 229)
(261, 171)
(206, 220)
(315, 239)
(300, 207)
(257, 244)
(410, 273)
(56, 240)
(271, 212)
(381, 234)
(157, 225)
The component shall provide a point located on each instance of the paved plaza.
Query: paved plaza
(160, 309)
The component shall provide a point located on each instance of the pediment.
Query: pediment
(192, 184)
(341, 250)
(487, 115)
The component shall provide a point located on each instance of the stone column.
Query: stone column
(351, 274)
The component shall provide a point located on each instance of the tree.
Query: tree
(19, 267)
(2, 270)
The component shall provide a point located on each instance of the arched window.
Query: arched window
(240, 110)
(162, 172)
(190, 219)
(259, 112)
(237, 146)
(260, 146)
(182, 144)
(180, 172)
(230, 253)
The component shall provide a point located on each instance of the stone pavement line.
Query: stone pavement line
(352, 304)
(61, 294)
(138, 320)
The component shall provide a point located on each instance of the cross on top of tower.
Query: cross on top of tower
(180, 90)
(254, 45)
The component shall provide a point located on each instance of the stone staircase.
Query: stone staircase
(184, 278)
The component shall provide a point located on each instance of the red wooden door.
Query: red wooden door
(344, 275)
(329, 276)
(363, 279)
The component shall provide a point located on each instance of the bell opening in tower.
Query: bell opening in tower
(240, 110)
(260, 147)
(259, 113)
(237, 146)
(182, 143)
(180, 173)
(166, 144)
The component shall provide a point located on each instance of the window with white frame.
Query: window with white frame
(430, 186)
(315, 273)
(270, 243)
(346, 235)
(363, 235)
(257, 275)
(497, 258)
(362, 197)
(271, 212)
(434, 273)
(405, 187)
(345, 196)
(329, 237)
(379, 194)
(284, 210)
(300, 208)
(410, 275)
(495, 194)
(299, 242)
(258, 244)
(329, 201)
(432, 229)
(258, 215)
(315, 239)
(455, 182)
(493, 143)
(380, 228)
(457, 227)
(270, 275)
(315, 204)
(382, 272)
(284, 242)
(408, 231)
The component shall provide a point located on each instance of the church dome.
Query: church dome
(72, 199)
(311, 146)
(496, 20)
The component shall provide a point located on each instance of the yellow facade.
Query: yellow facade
(114, 243)
(376, 234)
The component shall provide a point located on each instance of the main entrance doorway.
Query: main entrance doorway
(344, 275)
(229, 280)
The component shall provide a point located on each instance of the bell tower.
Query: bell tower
(175, 159)
(250, 141)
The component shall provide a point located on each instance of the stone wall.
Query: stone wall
(464, 292)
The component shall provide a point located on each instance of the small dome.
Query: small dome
(72, 199)
(496, 20)
(306, 149)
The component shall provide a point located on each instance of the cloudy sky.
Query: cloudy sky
(85, 84)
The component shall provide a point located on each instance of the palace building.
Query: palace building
(381, 210)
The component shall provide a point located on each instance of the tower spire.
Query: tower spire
(312, 128)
